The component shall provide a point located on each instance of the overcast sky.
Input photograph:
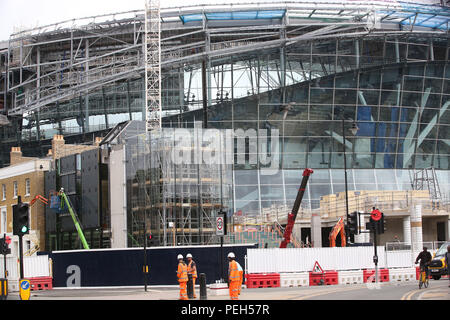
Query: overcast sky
(32, 13)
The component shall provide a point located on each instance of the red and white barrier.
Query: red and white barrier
(305, 279)
(351, 277)
(299, 279)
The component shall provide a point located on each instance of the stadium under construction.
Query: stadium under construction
(357, 87)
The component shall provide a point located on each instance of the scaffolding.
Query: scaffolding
(426, 179)
(175, 200)
(152, 47)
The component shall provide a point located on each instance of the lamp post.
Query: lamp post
(353, 130)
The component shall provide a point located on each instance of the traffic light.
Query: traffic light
(378, 226)
(21, 219)
(352, 223)
(381, 227)
(4, 247)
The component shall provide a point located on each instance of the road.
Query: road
(438, 290)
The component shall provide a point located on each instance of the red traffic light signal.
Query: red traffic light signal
(4, 246)
(376, 215)
(8, 240)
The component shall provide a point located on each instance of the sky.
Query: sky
(32, 13)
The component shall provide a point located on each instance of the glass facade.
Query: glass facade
(395, 90)
(312, 84)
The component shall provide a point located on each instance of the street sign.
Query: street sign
(375, 215)
(317, 268)
(24, 289)
(220, 226)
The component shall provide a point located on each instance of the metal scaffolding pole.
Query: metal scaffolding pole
(152, 54)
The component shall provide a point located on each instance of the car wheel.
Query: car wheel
(436, 277)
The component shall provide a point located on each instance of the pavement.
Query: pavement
(437, 290)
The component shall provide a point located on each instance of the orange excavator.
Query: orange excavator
(338, 228)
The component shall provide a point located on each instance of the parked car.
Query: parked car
(438, 267)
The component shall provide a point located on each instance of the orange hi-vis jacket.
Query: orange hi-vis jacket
(192, 269)
(182, 272)
(233, 271)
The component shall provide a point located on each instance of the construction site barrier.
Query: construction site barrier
(331, 277)
(351, 277)
(383, 275)
(402, 274)
(294, 279)
(327, 278)
(262, 280)
(41, 283)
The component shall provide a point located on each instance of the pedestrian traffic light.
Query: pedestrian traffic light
(352, 223)
(21, 219)
(4, 247)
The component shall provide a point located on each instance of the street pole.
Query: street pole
(375, 257)
(145, 255)
(19, 201)
(345, 170)
(4, 259)
(221, 259)
(21, 256)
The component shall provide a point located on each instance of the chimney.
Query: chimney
(57, 146)
(15, 156)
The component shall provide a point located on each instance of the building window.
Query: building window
(16, 192)
(3, 221)
(3, 192)
(27, 187)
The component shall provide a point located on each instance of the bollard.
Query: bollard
(190, 287)
(3, 289)
(202, 281)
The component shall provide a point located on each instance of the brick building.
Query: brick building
(24, 178)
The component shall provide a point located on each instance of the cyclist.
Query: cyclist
(425, 259)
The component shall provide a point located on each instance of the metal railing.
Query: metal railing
(432, 246)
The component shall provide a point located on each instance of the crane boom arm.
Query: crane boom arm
(75, 220)
(293, 215)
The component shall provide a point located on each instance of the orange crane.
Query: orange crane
(40, 198)
(338, 228)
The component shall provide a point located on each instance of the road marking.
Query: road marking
(430, 294)
(410, 294)
(326, 292)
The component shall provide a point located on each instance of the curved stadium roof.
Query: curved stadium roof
(191, 33)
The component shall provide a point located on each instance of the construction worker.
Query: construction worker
(233, 277)
(192, 270)
(182, 277)
(241, 277)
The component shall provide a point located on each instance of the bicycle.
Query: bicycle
(423, 279)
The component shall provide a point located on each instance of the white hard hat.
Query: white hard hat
(189, 255)
(231, 255)
(180, 257)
